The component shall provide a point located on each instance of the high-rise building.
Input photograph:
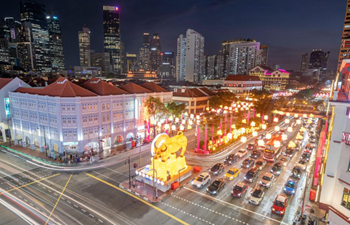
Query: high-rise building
(84, 47)
(304, 61)
(262, 55)
(242, 55)
(190, 60)
(112, 40)
(25, 49)
(102, 60)
(211, 62)
(167, 67)
(131, 62)
(155, 53)
(144, 54)
(4, 43)
(319, 59)
(344, 52)
(56, 42)
(33, 15)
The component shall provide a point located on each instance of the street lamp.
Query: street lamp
(268, 136)
(45, 147)
(298, 121)
(284, 137)
(277, 128)
(243, 139)
(252, 124)
(182, 128)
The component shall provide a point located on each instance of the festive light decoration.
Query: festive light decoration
(159, 124)
(243, 130)
(296, 115)
(219, 132)
(277, 144)
(277, 128)
(261, 142)
(255, 133)
(183, 122)
(192, 116)
(252, 124)
(288, 114)
(298, 121)
(266, 117)
(243, 139)
(290, 129)
(182, 127)
(166, 126)
(268, 136)
(287, 121)
(275, 119)
(173, 127)
(263, 126)
(284, 137)
(177, 119)
(304, 115)
(229, 135)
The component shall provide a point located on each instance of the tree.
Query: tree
(305, 94)
(155, 107)
(222, 98)
(175, 109)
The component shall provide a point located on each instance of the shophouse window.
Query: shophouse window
(346, 198)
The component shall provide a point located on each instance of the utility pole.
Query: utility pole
(127, 161)
(140, 151)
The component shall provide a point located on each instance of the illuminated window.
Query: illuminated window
(346, 198)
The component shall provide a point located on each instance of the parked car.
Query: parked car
(260, 164)
(289, 152)
(305, 156)
(302, 164)
(312, 142)
(280, 204)
(255, 154)
(267, 180)
(232, 173)
(290, 187)
(242, 152)
(256, 195)
(284, 160)
(215, 187)
(201, 180)
(239, 189)
(296, 172)
(231, 158)
(250, 146)
(251, 175)
(217, 168)
(276, 169)
(248, 163)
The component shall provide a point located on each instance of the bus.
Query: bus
(273, 148)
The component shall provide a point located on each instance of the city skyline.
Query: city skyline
(285, 48)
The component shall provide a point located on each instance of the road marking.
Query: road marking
(48, 219)
(239, 207)
(16, 188)
(137, 198)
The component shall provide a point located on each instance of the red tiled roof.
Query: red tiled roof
(242, 78)
(192, 93)
(207, 91)
(101, 87)
(4, 82)
(265, 67)
(134, 88)
(153, 87)
(62, 87)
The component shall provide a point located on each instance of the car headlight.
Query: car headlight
(245, 177)
(285, 189)
(214, 192)
(192, 183)
(273, 209)
(260, 182)
(239, 194)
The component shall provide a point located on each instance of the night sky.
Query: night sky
(288, 27)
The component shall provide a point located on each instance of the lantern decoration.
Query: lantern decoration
(189, 127)
(171, 118)
(190, 122)
(277, 144)
(284, 137)
(243, 130)
(290, 129)
(255, 133)
(263, 126)
(261, 142)
(252, 124)
(166, 126)
(159, 124)
(229, 136)
(243, 139)
(244, 121)
(287, 121)
(198, 122)
(304, 115)
(173, 127)
(258, 115)
(207, 108)
(233, 126)
(197, 117)
(296, 115)
(275, 119)
(298, 121)
(182, 127)
(192, 116)
(309, 121)
(277, 128)
(266, 117)
(268, 136)
(177, 119)
(219, 132)
(183, 122)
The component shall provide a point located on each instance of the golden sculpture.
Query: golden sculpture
(164, 151)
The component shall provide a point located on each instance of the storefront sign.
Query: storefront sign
(7, 108)
(346, 138)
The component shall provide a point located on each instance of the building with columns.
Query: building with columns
(69, 118)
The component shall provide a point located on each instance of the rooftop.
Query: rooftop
(242, 78)
(134, 88)
(101, 87)
(193, 92)
(4, 82)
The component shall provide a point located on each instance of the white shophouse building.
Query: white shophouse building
(66, 117)
(241, 83)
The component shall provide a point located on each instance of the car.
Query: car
(217, 168)
(260, 164)
(305, 156)
(283, 129)
(289, 152)
(255, 154)
(201, 180)
(232, 173)
(261, 148)
(284, 160)
(248, 163)
(313, 143)
(251, 175)
(276, 169)
(231, 158)
(215, 187)
(302, 164)
(296, 172)
(267, 180)
(242, 152)
(250, 147)
(239, 189)
(290, 187)
(256, 195)
(280, 204)
(308, 150)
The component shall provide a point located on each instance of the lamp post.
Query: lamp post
(155, 192)
(45, 147)
(127, 161)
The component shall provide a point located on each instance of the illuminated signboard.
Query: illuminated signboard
(346, 138)
(7, 108)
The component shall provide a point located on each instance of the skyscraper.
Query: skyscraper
(84, 47)
(155, 53)
(262, 55)
(304, 61)
(112, 41)
(144, 54)
(131, 62)
(210, 66)
(167, 67)
(242, 56)
(34, 17)
(102, 60)
(55, 42)
(344, 52)
(319, 60)
(190, 60)
(4, 43)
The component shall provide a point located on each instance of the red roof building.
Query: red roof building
(242, 83)
(132, 88)
(101, 87)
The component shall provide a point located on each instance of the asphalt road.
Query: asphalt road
(36, 195)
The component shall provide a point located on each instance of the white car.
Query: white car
(256, 195)
(242, 152)
(201, 180)
(302, 164)
(267, 180)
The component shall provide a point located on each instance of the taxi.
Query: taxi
(232, 173)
